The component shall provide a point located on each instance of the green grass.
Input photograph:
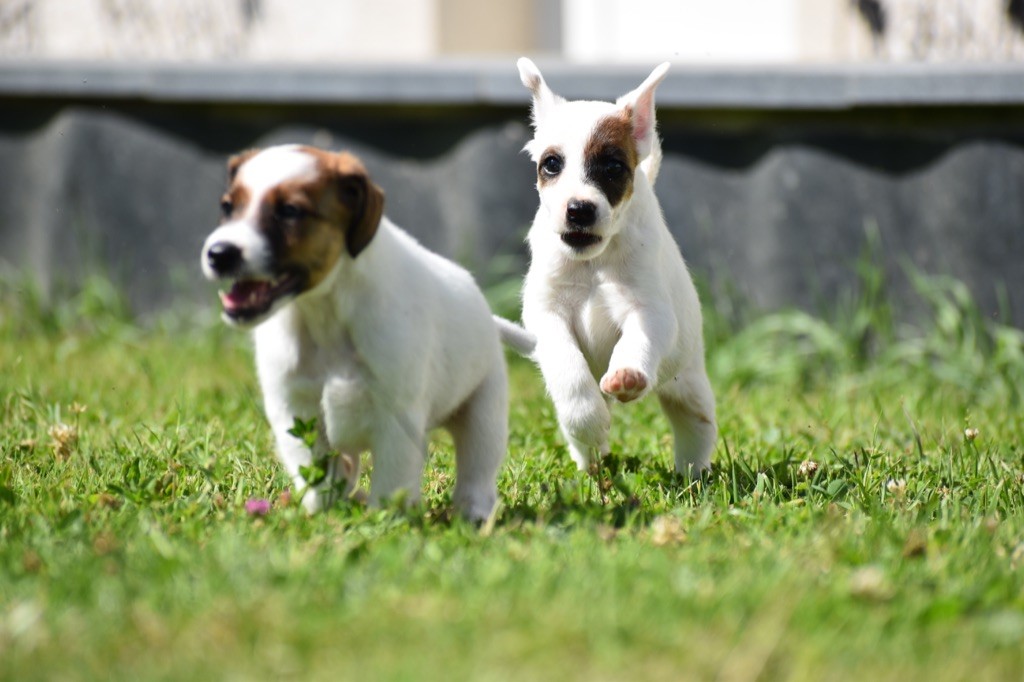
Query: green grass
(126, 551)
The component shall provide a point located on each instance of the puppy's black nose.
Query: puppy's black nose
(223, 257)
(581, 214)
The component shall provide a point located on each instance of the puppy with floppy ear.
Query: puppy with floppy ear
(608, 300)
(358, 327)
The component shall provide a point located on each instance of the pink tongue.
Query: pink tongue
(246, 294)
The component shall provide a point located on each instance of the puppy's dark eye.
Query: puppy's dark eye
(226, 208)
(614, 168)
(551, 166)
(289, 212)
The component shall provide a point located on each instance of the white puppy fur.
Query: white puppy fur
(608, 296)
(380, 340)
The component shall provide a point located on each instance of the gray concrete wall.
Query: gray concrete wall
(769, 181)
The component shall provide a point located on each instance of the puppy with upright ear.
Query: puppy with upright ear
(359, 328)
(610, 310)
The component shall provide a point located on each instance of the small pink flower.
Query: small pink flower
(257, 506)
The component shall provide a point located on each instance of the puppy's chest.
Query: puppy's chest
(339, 369)
(597, 319)
(332, 375)
(335, 383)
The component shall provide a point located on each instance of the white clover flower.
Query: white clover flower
(897, 487)
(807, 468)
(667, 530)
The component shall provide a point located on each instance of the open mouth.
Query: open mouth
(580, 239)
(248, 299)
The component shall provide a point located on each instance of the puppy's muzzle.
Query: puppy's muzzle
(580, 217)
(253, 293)
(223, 258)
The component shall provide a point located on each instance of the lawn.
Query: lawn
(864, 519)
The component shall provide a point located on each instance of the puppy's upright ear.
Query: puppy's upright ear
(640, 104)
(365, 200)
(543, 97)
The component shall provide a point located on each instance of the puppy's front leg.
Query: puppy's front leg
(295, 456)
(647, 334)
(282, 409)
(582, 410)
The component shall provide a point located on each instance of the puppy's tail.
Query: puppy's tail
(515, 337)
(652, 164)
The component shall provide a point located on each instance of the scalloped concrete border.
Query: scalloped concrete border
(496, 83)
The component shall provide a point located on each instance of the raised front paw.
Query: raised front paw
(624, 384)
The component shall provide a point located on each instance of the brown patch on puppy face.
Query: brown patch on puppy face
(236, 161)
(288, 220)
(310, 223)
(236, 198)
(610, 157)
(233, 202)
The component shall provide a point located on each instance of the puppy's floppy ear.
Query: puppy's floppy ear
(543, 97)
(236, 161)
(640, 104)
(366, 202)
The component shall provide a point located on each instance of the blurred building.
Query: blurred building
(797, 133)
(695, 31)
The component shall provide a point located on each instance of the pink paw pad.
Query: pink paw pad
(624, 384)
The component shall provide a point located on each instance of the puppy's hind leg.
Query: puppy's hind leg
(689, 405)
(349, 466)
(480, 432)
